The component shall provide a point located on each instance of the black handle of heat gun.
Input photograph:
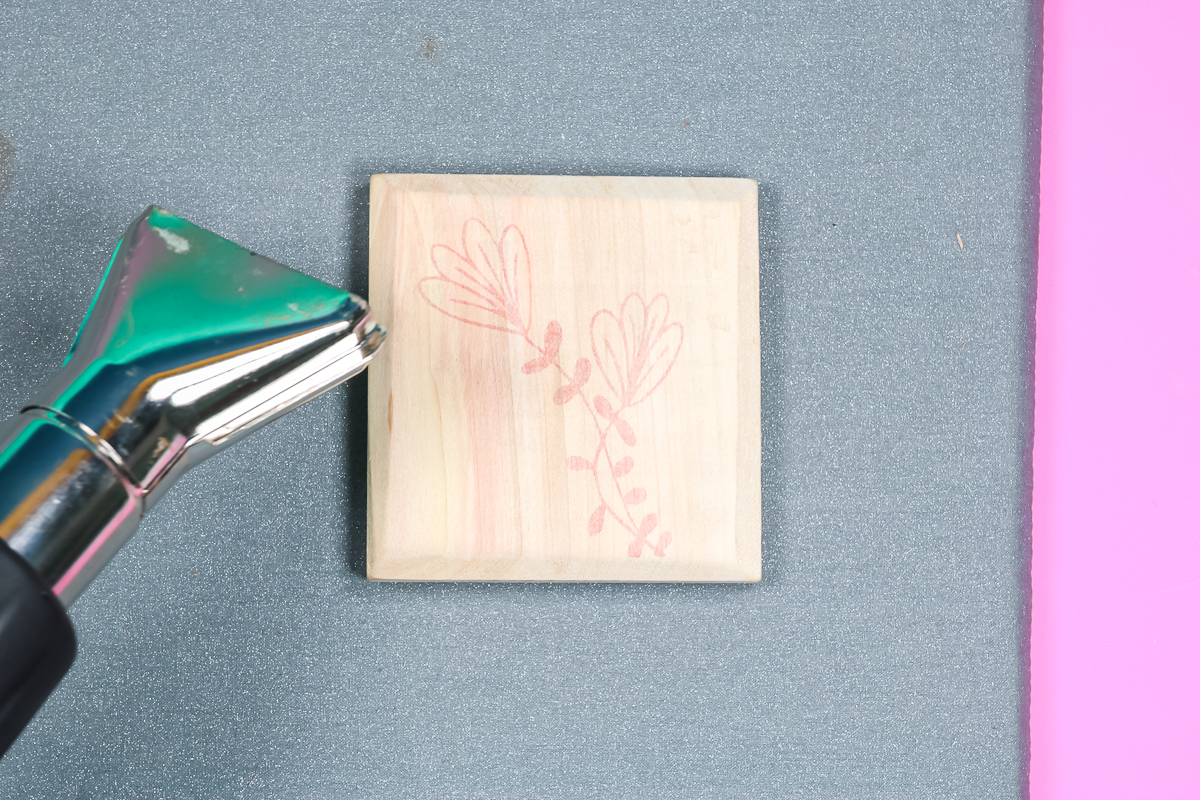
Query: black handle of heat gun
(37, 644)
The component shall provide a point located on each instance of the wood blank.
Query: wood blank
(570, 388)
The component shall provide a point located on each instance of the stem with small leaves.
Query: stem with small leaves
(602, 446)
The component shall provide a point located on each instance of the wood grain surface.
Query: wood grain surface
(570, 389)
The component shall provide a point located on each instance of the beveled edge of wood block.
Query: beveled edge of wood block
(748, 517)
(436, 568)
(649, 188)
(748, 514)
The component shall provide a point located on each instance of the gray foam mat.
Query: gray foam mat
(234, 649)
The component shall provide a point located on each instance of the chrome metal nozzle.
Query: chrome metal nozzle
(190, 344)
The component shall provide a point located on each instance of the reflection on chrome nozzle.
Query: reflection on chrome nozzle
(191, 343)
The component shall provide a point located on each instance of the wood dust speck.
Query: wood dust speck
(960, 241)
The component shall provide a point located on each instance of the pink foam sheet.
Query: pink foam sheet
(1116, 567)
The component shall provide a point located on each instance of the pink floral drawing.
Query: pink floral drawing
(636, 348)
(489, 285)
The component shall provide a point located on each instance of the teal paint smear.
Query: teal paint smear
(95, 298)
(181, 284)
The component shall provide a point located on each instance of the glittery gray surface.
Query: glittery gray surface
(234, 648)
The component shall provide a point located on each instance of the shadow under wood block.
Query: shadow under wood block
(571, 390)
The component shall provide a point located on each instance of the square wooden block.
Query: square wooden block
(570, 387)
